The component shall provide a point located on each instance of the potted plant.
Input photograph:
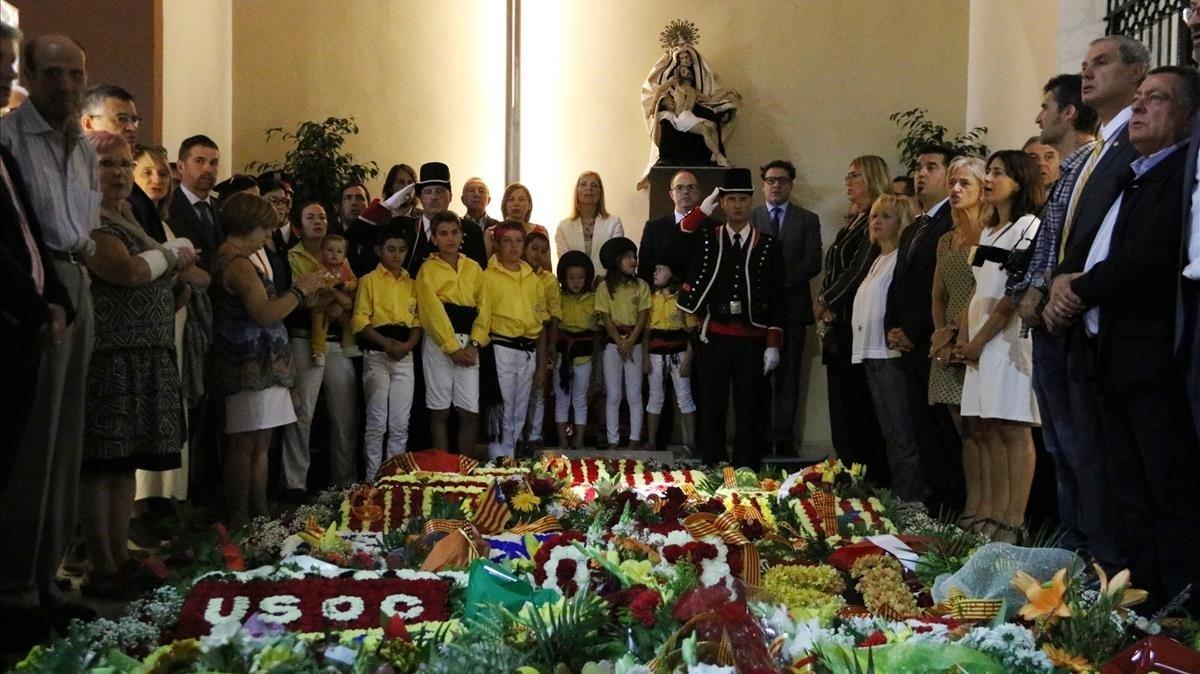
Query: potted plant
(317, 161)
(918, 130)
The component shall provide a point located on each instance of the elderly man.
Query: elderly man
(1122, 302)
(685, 194)
(475, 198)
(1046, 157)
(58, 164)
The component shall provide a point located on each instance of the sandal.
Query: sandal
(1017, 532)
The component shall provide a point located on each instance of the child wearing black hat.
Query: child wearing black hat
(623, 302)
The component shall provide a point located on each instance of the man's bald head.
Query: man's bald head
(55, 69)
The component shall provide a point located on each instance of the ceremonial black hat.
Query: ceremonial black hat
(434, 174)
(238, 182)
(737, 181)
(576, 258)
(612, 251)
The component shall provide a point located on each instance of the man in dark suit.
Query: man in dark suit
(433, 191)
(193, 208)
(909, 327)
(685, 194)
(1123, 337)
(35, 306)
(735, 287)
(1187, 315)
(798, 233)
(475, 198)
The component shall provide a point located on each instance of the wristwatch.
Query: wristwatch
(475, 344)
(1038, 281)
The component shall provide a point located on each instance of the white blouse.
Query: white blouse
(869, 340)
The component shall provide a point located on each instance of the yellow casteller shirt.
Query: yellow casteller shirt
(385, 298)
(516, 300)
(553, 295)
(665, 313)
(579, 315)
(438, 283)
(303, 262)
(624, 305)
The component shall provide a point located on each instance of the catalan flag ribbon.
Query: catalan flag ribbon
(491, 510)
(961, 607)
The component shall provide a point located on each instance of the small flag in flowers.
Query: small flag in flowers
(491, 512)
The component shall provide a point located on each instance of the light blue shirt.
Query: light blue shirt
(61, 178)
(1103, 241)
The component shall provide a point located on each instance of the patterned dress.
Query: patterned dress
(946, 381)
(134, 417)
(246, 355)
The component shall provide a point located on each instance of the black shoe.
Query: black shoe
(293, 496)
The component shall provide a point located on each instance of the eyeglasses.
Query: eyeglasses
(117, 163)
(123, 119)
(782, 180)
(685, 188)
(278, 201)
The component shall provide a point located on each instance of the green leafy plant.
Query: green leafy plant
(318, 161)
(917, 130)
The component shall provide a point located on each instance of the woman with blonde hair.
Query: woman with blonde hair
(885, 376)
(852, 420)
(590, 225)
(953, 285)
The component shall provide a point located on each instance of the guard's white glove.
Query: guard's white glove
(770, 359)
(401, 196)
(711, 201)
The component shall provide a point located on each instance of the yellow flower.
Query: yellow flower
(857, 470)
(1045, 600)
(1118, 589)
(525, 501)
(638, 571)
(1064, 660)
(172, 657)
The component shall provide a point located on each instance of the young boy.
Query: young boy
(450, 309)
(516, 300)
(537, 254)
(340, 278)
(668, 352)
(388, 329)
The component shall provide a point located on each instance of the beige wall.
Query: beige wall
(197, 75)
(1014, 50)
(819, 78)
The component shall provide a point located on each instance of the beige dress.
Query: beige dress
(946, 381)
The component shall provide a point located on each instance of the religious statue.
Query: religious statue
(688, 113)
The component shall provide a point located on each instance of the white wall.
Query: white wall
(197, 87)
(1080, 22)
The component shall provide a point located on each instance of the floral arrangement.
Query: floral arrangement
(722, 570)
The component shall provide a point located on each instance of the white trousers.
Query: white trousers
(618, 372)
(537, 415)
(514, 371)
(388, 391)
(581, 375)
(341, 404)
(683, 385)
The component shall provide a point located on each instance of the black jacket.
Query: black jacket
(909, 300)
(800, 246)
(1134, 287)
(655, 237)
(763, 267)
(1098, 194)
(186, 223)
(21, 306)
(146, 214)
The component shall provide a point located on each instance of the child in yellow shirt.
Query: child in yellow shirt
(455, 323)
(623, 302)
(517, 308)
(576, 344)
(668, 352)
(537, 254)
(385, 320)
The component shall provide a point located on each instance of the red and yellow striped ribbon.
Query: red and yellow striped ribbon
(728, 527)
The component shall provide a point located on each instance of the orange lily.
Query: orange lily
(1118, 588)
(1062, 659)
(1045, 600)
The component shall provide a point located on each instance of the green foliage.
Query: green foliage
(317, 160)
(917, 130)
(948, 549)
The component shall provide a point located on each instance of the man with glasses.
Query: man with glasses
(108, 107)
(1187, 330)
(798, 232)
(685, 194)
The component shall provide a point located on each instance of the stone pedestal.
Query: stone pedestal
(709, 177)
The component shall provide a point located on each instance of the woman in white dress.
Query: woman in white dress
(998, 389)
(590, 225)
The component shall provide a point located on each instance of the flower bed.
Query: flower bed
(610, 567)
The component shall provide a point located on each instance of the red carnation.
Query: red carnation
(876, 638)
(643, 607)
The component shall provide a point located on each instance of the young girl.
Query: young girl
(668, 352)
(623, 302)
(537, 254)
(575, 343)
(338, 277)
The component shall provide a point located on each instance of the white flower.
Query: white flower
(703, 668)
(391, 606)
(343, 608)
(557, 555)
(214, 613)
(280, 608)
